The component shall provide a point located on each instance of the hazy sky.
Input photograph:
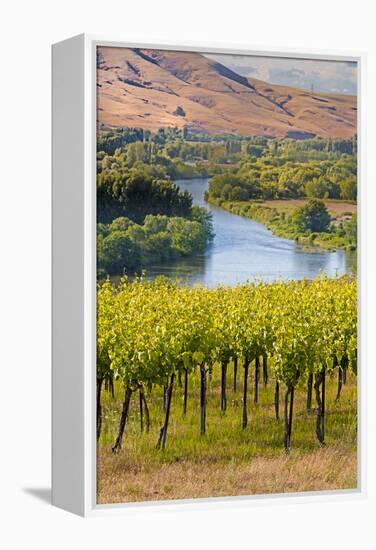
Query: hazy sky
(325, 76)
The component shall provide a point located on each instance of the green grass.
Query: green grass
(225, 446)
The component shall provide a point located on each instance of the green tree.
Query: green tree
(187, 237)
(205, 218)
(155, 224)
(313, 217)
(239, 194)
(120, 253)
(351, 230)
(119, 224)
(317, 188)
(349, 188)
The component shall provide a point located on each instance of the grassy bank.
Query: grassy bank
(227, 460)
(277, 214)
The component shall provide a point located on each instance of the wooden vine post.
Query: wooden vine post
(245, 389)
(123, 419)
(289, 406)
(320, 398)
(223, 385)
(276, 400)
(309, 391)
(99, 406)
(163, 432)
(235, 373)
(265, 369)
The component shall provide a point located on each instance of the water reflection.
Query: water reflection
(244, 250)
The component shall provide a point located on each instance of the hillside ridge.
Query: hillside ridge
(156, 88)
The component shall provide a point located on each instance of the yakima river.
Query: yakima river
(245, 250)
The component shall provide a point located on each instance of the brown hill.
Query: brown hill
(155, 88)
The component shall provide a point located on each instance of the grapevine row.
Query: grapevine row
(149, 333)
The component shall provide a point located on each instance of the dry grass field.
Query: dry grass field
(316, 471)
(227, 461)
(337, 209)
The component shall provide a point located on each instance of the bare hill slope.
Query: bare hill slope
(155, 88)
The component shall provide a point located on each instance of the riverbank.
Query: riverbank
(276, 216)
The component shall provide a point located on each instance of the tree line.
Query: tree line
(278, 178)
(135, 179)
(143, 217)
(124, 246)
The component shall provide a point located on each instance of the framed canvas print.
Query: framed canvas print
(206, 275)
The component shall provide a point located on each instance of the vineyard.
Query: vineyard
(157, 338)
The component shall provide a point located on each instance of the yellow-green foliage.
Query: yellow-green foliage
(149, 330)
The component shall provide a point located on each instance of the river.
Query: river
(245, 250)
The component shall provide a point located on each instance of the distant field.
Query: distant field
(227, 461)
(336, 208)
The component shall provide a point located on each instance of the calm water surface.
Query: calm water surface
(244, 250)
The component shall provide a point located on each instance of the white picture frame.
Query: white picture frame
(74, 279)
